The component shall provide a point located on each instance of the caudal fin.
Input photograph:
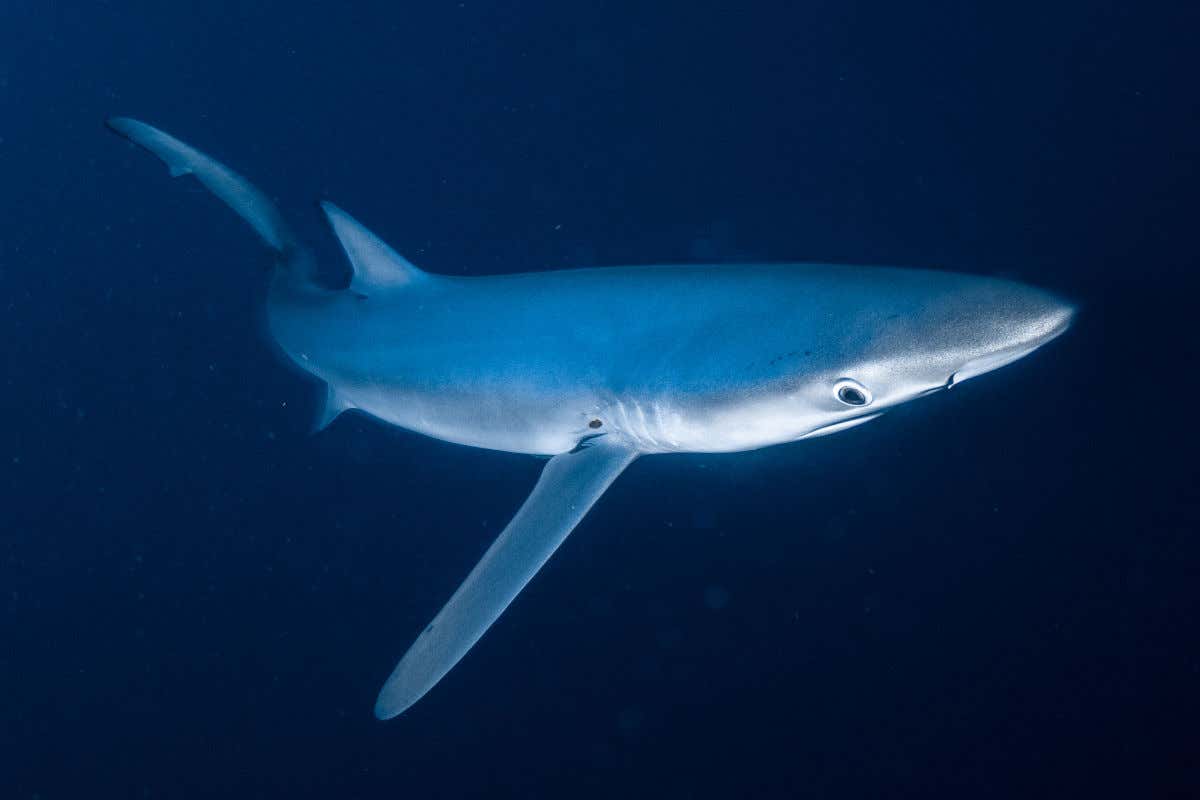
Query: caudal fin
(237, 192)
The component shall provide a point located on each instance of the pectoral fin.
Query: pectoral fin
(568, 487)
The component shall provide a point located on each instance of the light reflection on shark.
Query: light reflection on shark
(596, 367)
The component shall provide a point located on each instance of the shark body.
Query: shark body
(596, 367)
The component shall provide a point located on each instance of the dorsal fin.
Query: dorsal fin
(376, 266)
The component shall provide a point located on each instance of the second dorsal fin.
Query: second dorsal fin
(376, 266)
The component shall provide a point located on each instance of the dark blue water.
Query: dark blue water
(991, 593)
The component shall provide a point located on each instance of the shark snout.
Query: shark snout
(1051, 320)
(1036, 320)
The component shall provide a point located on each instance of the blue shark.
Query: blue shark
(597, 367)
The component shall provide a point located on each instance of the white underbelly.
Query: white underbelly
(667, 426)
(535, 426)
(548, 424)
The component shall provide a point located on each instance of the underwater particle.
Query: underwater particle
(600, 606)
(630, 719)
(716, 597)
(669, 638)
(836, 527)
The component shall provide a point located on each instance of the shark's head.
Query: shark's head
(892, 336)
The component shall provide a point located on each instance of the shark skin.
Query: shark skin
(595, 367)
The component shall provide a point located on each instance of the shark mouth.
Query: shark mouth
(841, 425)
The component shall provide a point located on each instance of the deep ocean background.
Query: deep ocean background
(990, 593)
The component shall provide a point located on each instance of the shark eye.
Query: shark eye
(852, 393)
